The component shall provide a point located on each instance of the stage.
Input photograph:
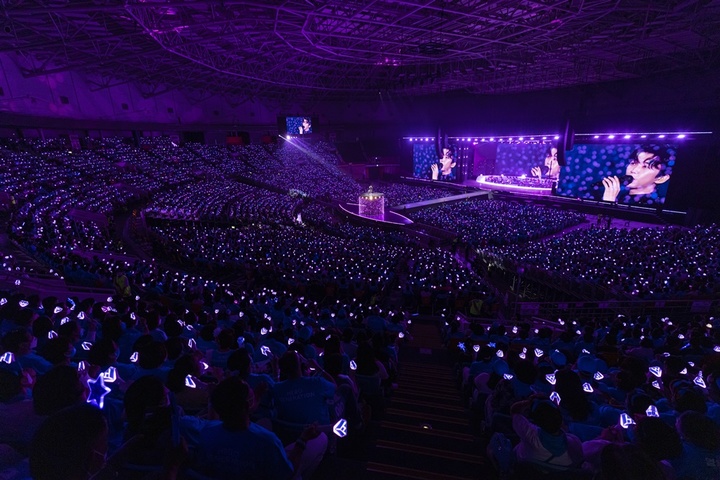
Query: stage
(388, 217)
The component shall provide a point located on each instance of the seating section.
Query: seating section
(228, 263)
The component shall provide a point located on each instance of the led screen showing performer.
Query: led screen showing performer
(426, 163)
(624, 173)
(298, 125)
(530, 159)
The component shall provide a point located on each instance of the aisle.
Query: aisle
(425, 433)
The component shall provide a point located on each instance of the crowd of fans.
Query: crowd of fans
(595, 397)
(177, 386)
(668, 262)
(222, 201)
(495, 222)
(263, 307)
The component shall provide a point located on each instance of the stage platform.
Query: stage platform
(503, 187)
(389, 217)
(438, 201)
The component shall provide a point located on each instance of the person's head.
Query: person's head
(103, 353)
(306, 124)
(231, 400)
(10, 384)
(58, 351)
(526, 372)
(226, 339)
(333, 363)
(185, 365)
(152, 355)
(239, 361)
(18, 341)
(146, 405)
(546, 415)
(625, 461)
(689, 398)
(658, 439)
(649, 167)
(699, 430)
(290, 365)
(569, 386)
(637, 403)
(70, 445)
(59, 388)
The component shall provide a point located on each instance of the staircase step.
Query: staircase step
(432, 452)
(419, 431)
(423, 403)
(440, 398)
(403, 472)
(427, 417)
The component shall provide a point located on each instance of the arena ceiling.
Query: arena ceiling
(325, 49)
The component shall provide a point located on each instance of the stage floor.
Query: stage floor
(389, 217)
(501, 187)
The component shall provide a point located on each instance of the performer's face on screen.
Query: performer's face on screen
(551, 159)
(447, 162)
(645, 172)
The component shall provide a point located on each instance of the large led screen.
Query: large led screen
(624, 173)
(427, 165)
(532, 159)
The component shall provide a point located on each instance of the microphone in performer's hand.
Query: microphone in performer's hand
(624, 180)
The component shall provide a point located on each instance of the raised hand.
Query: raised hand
(612, 188)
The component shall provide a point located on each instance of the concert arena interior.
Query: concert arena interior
(359, 239)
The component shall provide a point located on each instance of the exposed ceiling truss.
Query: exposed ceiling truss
(311, 49)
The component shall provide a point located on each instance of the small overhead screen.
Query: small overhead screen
(300, 125)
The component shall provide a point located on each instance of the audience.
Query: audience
(258, 311)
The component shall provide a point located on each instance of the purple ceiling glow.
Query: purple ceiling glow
(306, 50)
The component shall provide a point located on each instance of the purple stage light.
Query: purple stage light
(626, 137)
(611, 136)
(661, 136)
(682, 135)
(596, 136)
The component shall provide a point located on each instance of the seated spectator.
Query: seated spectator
(660, 442)
(192, 399)
(70, 445)
(542, 442)
(625, 461)
(303, 399)
(700, 459)
(239, 448)
(20, 343)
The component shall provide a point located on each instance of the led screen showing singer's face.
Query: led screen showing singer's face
(638, 174)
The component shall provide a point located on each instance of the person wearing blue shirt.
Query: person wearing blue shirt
(239, 448)
(300, 399)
